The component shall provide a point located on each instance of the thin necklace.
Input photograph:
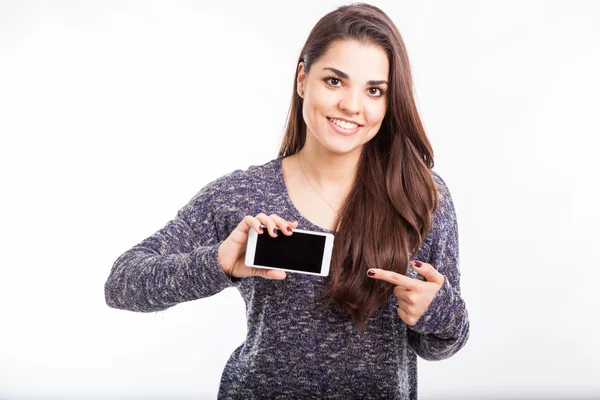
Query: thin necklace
(304, 173)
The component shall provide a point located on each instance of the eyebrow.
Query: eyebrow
(345, 76)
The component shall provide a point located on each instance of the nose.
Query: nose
(351, 101)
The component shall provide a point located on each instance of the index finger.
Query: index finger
(394, 278)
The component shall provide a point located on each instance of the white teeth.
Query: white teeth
(343, 124)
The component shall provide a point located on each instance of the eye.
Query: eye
(331, 79)
(381, 91)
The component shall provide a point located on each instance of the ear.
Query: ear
(301, 79)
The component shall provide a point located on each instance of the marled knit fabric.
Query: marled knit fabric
(293, 350)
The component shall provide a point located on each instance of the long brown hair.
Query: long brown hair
(389, 208)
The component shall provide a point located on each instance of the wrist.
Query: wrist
(219, 257)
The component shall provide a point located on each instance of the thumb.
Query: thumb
(241, 270)
(275, 274)
(427, 270)
(268, 273)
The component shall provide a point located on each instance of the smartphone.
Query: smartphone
(305, 252)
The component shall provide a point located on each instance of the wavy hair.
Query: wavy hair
(389, 207)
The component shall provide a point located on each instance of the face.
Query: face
(346, 86)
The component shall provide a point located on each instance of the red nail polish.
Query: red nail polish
(275, 231)
(370, 273)
(418, 263)
(288, 229)
(260, 229)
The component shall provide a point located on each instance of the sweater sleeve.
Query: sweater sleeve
(444, 327)
(176, 264)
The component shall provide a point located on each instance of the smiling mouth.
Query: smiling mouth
(349, 126)
(343, 128)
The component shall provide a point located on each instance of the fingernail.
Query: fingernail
(370, 273)
(275, 231)
(417, 263)
(288, 229)
(260, 229)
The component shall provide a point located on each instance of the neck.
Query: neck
(329, 172)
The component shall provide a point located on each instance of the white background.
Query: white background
(113, 114)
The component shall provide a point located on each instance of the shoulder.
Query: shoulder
(440, 183)
(252, 174)
(444, 215)
(444, 195)
(237, 183)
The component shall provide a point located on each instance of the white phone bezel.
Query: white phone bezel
(251, 250)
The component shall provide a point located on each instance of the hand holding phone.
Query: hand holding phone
(305, 252)
(231, 252)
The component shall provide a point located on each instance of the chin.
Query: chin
(341, 149)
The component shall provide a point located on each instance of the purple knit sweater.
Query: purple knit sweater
(293, 350)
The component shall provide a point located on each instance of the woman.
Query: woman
(355, 161)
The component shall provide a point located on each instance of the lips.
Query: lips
(343, 131)
(345, 121)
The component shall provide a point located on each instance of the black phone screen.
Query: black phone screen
(299, 252)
